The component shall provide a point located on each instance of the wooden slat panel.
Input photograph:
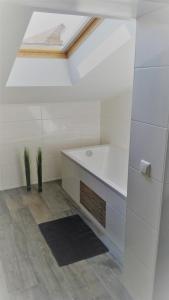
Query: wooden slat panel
(93, 203)
(41, 53)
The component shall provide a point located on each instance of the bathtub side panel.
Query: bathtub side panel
(113, 235)
(71, 178)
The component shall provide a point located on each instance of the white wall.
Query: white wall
(51, 126)
(116, 110)
(116, 119)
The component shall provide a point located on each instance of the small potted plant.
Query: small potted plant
(27, 169)
(39, 169)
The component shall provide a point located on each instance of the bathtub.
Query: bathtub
(103, 171)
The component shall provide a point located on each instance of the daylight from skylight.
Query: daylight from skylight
(55, 31)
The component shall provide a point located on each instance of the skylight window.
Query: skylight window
(53, 31)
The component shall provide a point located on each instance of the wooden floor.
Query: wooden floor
(28, 271)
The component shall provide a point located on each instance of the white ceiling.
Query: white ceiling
(114, 8)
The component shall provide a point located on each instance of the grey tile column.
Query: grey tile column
(149, 138)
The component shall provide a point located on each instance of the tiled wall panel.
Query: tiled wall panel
(50, 126)
(149, 143)
(161, 289)
(149, 138)
(150, 85)
(145, 197)
(152, 43)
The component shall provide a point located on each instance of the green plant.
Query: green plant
(27, 169)
(39, 169)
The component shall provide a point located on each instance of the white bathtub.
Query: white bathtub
(104, 170)
(109, 164)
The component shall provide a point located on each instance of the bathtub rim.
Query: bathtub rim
(66, 153)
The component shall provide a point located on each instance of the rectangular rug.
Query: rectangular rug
(71, 240)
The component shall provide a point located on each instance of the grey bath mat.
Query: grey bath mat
(71, 240)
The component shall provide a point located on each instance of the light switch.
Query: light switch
(145, 167)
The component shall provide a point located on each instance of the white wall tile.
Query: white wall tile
(148, 143)
(51, 168)
(165, 209)
(145, 197)
(137, 278)
(65, 125)
(13, 176)
(64, 110)
(166, 178)
(16, 131)
(142, 239)
(54, 142)
(115, 226)
(116, 119)
(150, 98)
(90, 140)
(19, 112)
(69, 127)
(51, 158)
(152, 43)
(162, 274)
(12, 153)
(12, 162)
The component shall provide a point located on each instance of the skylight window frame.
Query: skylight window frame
(77, 34)
(69, 49)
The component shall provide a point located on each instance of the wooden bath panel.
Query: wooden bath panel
(93, 203)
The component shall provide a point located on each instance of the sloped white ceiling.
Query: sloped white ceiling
(108, 38)
(109, 79)
(104, 81)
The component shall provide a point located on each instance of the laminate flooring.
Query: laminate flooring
(28, 270)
